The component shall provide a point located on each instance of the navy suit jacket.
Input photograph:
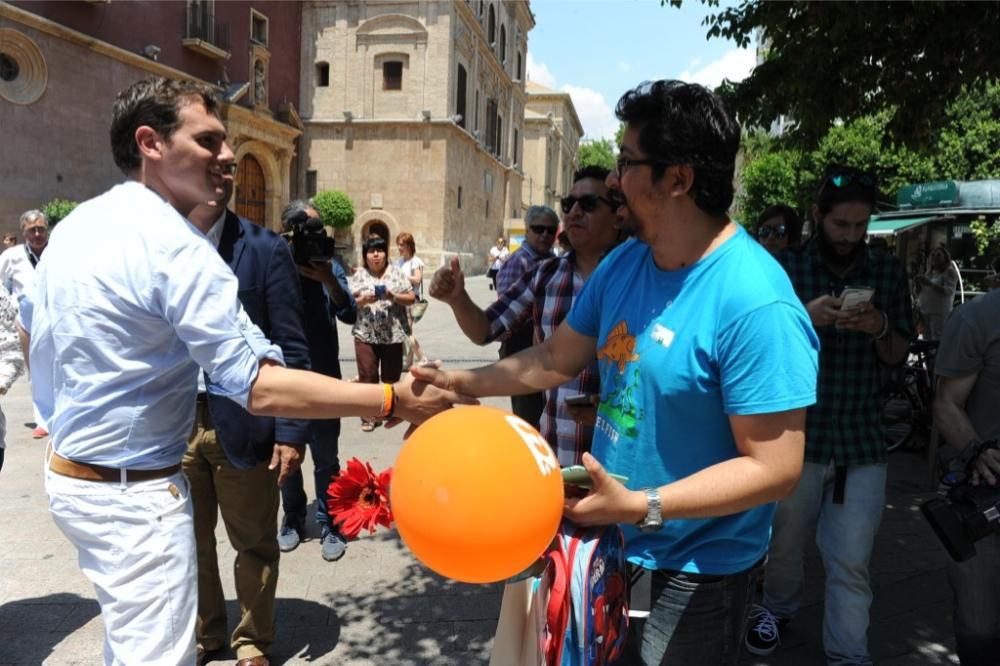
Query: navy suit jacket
(270, 294)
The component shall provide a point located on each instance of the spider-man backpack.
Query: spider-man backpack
(587, 615)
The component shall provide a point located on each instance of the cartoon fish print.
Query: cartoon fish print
(619, 347)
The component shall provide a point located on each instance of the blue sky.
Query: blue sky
(597, 49)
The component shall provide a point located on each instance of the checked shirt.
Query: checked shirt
(545, 295)
(845, 424)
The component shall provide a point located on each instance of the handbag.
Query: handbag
(418, 309)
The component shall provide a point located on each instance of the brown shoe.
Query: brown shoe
(259, 660)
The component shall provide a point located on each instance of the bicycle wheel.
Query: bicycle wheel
(899, 418)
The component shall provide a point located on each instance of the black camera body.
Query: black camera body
(308, 240)
(967, 514)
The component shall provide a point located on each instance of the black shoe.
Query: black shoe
(763, 631)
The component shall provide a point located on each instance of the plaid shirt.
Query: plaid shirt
(845, 424)
(546, 295)
(517, 265)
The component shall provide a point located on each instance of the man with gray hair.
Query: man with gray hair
(17, 272)
(541, 225)
(325, 296)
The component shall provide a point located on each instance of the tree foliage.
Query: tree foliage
(335, 208)
(824, 61)
(57, 209)
(600, 152)
(966, 147)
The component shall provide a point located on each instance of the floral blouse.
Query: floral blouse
(382, 322)
(11, 360)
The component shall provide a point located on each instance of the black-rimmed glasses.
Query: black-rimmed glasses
(623, 163)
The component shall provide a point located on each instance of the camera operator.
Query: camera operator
(965, 411)
(325, 295)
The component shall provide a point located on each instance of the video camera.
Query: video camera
(966, 514)
(308, 240)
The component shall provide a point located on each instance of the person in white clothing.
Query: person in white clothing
(412, 268)
(498, 255)
(17, 273)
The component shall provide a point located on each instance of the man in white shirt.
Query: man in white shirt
(17, 272)
(130, 302)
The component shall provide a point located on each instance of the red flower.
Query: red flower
(359, 498)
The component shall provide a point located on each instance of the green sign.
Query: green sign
(928, 195)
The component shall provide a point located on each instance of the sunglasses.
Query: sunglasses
(778, 232)
(848, 176)
(543, 229)
(588, 202)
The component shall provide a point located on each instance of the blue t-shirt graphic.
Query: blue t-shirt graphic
(679, 352)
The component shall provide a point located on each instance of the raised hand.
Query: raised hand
(448, 282)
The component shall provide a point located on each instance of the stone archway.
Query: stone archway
(263, 158)
(376, 221)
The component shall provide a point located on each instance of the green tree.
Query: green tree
(770, 178)
(335, 208)
(57, 209)
(824, 61)
(600, 152)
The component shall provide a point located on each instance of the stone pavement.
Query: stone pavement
(378, 605)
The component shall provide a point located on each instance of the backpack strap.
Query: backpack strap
(558, 609)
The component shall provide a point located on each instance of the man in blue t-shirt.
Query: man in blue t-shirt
(707, 362)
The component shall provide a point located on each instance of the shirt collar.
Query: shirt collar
(214, 234)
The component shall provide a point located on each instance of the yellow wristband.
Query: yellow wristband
(388, 401)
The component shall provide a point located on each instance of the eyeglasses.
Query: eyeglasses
(588, 202)
(543, 229)
(623, 163)
(766, 232)
(36, 230)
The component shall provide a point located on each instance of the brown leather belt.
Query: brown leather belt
(88, 472)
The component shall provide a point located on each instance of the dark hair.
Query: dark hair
(534, 212)
(685, 123)
(791, 220)
(404, 238)
(591, 171)
(155, 102)
(856, 186)
(295, 208)
(374, 242)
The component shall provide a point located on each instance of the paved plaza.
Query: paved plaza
(378, 605)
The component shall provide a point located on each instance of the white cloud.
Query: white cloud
(595, 113)
(735, 65)
(539, 73)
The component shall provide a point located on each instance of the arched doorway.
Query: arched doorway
(251, 190)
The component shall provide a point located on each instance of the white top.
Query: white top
(409, 268)
(17, 272)
(498, 255)
(130, 299)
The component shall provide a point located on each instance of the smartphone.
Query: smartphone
(576, 475)
(855, 296)
(380, 291)
(579, 400)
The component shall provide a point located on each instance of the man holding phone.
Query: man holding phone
(842, 489)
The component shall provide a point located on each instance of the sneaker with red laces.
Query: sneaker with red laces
(39, 433)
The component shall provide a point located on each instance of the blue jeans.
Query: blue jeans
(845, 534)
(976, 586)
(693, 618)
(323, 436)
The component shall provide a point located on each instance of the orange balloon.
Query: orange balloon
(476, 494)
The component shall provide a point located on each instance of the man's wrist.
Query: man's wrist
(884, 330)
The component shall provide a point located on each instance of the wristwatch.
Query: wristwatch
(654, 511)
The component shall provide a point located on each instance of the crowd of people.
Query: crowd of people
(718, 369)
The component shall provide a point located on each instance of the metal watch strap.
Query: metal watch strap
(654, 511)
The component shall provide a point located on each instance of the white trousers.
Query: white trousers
(135, 543)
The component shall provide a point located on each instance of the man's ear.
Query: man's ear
(149, 141)
(814, 211)
(681, 180)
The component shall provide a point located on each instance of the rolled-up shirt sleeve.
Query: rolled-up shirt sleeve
(206, 314)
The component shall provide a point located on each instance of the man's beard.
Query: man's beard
(829, 250)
